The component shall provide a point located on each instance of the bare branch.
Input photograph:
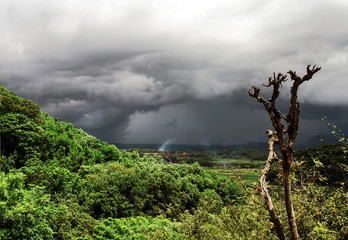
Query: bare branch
(268, 106)
(275, 115)
(255, 94)
(292, 117)
(276, 80)
(308, 76)
(294, 76)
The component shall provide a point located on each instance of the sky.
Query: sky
(150, 71)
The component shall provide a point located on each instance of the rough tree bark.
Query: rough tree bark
(285, 138)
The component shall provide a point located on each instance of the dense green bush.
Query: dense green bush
(137, 228)
(113, 190)
(11, 103)
(321, 212)
(214, 220)
(22, 139)
(71, 147)
(59, 182)
(74, 223)
(329, 163)
(26, 213)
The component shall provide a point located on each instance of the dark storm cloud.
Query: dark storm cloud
(173, 124)
(150, 71)
(227, 120)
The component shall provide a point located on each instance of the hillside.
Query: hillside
(58, 182)
(65, 181)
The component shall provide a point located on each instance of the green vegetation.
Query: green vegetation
(327, 163)
(137, 228)
(46, 163)
(58, 182)
(238, 164)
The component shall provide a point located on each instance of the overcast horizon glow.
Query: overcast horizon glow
(150, 71)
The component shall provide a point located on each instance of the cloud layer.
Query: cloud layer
(147, 71)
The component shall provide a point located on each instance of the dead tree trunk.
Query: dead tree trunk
(272, 139)
(285, 138)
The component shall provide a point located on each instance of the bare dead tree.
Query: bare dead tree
(285, 138)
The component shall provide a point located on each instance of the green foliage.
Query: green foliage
(31, 138)
(11, 103)
(58, 182)
(213, 220)
(137, 228)
(25, 143)
(324, 164)
(113, 190)
(25, 213)
(322, 212)
(336, 132)
(71, 147)
(75, 223)
(21, 139)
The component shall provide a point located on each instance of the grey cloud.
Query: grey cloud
(140, 71)
(214, 121)
(173, 124)
(227, 120)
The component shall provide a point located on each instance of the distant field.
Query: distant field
(245, 174)
(240, 164)
(245, 169)
(237, 163)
